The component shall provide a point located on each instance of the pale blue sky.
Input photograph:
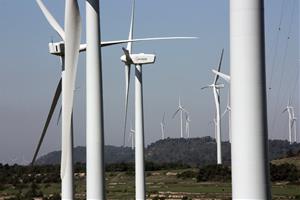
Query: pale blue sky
(29, 74)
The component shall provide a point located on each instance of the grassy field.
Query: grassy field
(163, 184)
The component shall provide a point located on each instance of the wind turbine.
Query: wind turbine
(162, 127)
(138, 60)
(216, 91)
(71, 37)
(228, 107)
(181, 110)
(187, 124)
(128, 65)
(292, 120)
(131, 137)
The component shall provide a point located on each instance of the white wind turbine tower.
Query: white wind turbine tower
(214, 122)
(216, 91)
(292, 121)
(249, 152)
(295, 127)
(162, 127)
(138, 60)
(181, 110)
(187, 124)
(228, 107)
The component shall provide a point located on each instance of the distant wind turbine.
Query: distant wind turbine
(228, 110)
(131, 137)
(216, 91)
(181, 110)
(292, 121)
(162, 127)
(228, 107)
(187, 124)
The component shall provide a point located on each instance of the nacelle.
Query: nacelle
(140, 59)
(218, 86)
(57, 48)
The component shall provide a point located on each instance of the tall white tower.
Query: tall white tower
(249, 148)
(95, 185)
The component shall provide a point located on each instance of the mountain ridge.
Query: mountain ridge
(194, 152)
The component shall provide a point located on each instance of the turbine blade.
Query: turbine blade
(224, 76)
(293, 121)
(127, 54)
(205, 87)
(175, 113)
(224, 113)
(284, 110)
(130, 36)
(163, 38)
(72, 43)
(59, 115)
(51, 20)
(127, 68)
(116, 42)
(127, 84)
(51, 111)
(219, 67)
(186, 115)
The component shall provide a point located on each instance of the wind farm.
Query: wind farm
(192, 68)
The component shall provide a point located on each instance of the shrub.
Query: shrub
(187, 174)
(284, 172)
(214, 173)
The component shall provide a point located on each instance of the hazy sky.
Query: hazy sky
(29, 74)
